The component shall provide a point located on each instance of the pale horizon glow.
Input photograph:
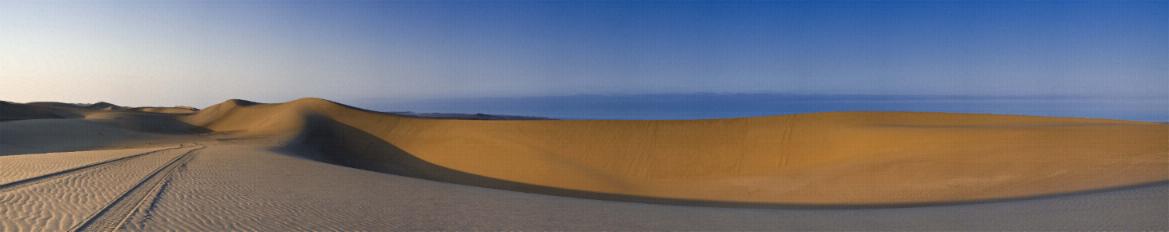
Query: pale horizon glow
(200, 53)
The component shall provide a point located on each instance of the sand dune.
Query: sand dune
(814, 159)
(52, 127)
(57, 135)
(14, 111)
(830, 159)
(237, 185)
(243, 165)
(269, 191)
(167, 110)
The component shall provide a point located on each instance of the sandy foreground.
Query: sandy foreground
(316, 165)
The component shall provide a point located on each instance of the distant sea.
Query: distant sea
(702, 106)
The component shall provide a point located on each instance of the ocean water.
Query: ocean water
(702, 106)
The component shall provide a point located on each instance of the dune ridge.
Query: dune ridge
(854, 158)
(15, 111)
(820, 159)
(260, 171)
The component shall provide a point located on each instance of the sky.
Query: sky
(202, 52)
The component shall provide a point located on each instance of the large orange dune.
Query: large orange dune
(246, 166)
(847, 158)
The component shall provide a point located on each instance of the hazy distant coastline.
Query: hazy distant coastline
(712, 105)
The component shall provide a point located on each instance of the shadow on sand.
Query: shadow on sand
(334, 142)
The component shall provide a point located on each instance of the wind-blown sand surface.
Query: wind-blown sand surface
(65, 200)
(247, 166)
(20, 167)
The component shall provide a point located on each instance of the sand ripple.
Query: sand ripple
(60, 202)
(18, 167)
(240, 188)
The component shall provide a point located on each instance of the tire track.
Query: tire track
(115, 214)
(76, 170)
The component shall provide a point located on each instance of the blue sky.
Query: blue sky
(202, 52)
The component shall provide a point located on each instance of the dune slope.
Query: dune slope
(15, 111)
(805, 159)
(233, 167)
(53, 127)
(241, 187)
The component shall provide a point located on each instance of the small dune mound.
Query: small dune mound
(39, 110)
(104, 106)
(250, 118)
(70, 134)
(145, 122)
(239, 102)
(166, 110)
(806, 159)
(48, 110)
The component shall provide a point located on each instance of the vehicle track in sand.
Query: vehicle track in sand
(117, 212)
(74, 171)
(86, 196)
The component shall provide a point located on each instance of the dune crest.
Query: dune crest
(806, 159)
(233, 166)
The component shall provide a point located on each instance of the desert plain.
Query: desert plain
(316, 165)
